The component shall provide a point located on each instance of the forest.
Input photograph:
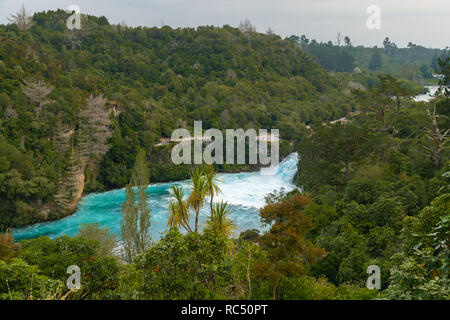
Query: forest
(84, 111)
(415, 62)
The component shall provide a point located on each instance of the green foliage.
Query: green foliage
(220, 222)
(332, 58)
(7, 245)
(289, 252)
(327, 156)
(375, 62)
(421, 270)
(135, 212)
(21, 281)
(374, 195)
(381, 214)
(153, 81)
(309, 288)
(106, 240)
(412, 62)
(192, 266)
(99, 274)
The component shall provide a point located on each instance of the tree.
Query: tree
(61, 136)
(425, 70)
(375, 61)
(345, 61)
(212, 186)
(198, 193)
(352, 143)
(379, 101)
(420, 271)
(129, 224)
(135, 212)
(23, 281)
(220, 222)
(70, 185)
(95, 127)
(106, 240)
(99, 274)
(243, 260)
(178, 210)
(95, 130)
(347, 41)
(444, 84)
(437, 138)
(22, 18)
(246, 27)
(7, 245)
(392, 88)
(192, 266)
(289, 252)
(327, 155)
(386, 43)
(37, 91)
(389, 47)
(295, 39)
(141, 180)
(304, 40)
(338, 39)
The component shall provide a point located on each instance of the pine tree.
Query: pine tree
(69, 184)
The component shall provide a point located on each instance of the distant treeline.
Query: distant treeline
(414, 62)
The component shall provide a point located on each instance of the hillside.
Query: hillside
(415, 63)
(359, 209)
(154, 80)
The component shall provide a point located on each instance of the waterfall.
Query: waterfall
(245, 193)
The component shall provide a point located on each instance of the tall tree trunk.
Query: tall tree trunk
(211, 205)
(437, 157)
(438, 139)
(249, 281)
(197, 211)
(383, 122)
(275, 288)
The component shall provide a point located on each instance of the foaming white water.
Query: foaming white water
(245, 193)
(249, 189)
(427, 96)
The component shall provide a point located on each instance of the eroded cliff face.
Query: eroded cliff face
(49, 211)
(78, 194)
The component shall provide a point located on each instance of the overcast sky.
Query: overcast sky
(424, 22)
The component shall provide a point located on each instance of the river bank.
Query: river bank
(244, 191)
(164, 172)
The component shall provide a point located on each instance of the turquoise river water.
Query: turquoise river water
(244, 192)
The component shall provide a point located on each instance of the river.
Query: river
(245, 193)
(427, 96)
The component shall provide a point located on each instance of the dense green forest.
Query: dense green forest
(81, 102)
(415, 63)
(82, 110)
(146, 82)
